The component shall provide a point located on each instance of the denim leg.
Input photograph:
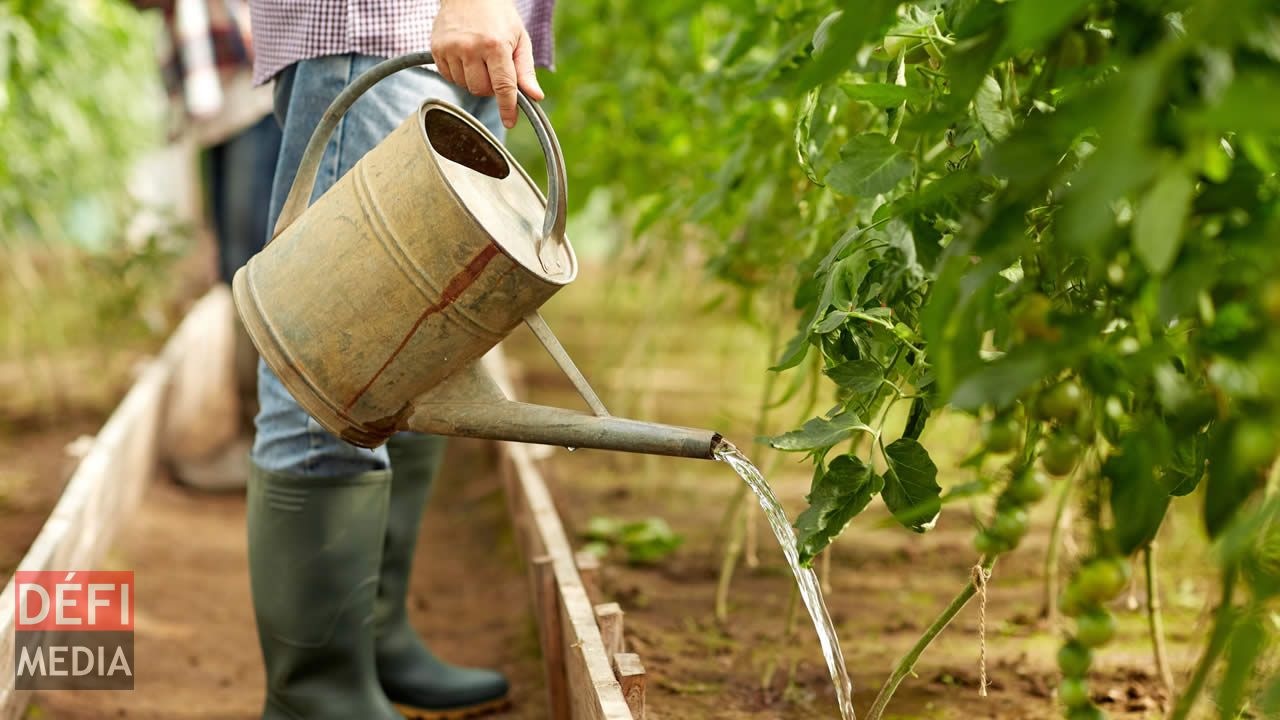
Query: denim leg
(288, 440)
(242, 169)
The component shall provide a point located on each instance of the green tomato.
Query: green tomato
(1060, 454)
(1062, 402)
(1032, 317)
(1117, 275)
(988, 544)
(1009, 525)
(1002, 434)
(1071, 602)
(1085, 426)
(1102, 579)
(1074, 692)
(1074, 659)
(1095, 628)
(1029, 486)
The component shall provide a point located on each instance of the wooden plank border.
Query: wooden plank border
(106, 486)
(593, 686)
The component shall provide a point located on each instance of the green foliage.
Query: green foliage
(644, 542)
(1064, 211)
(78, 101)
(839, 492)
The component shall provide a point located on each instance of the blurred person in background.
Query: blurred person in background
(333, 527)
(207, 66)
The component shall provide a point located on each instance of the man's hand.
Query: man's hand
(483, 46)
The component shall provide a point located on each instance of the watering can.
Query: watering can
(374, 305)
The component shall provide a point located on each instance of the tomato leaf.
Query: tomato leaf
(1162, 213)
(1250, 638)
(1230, 481)
(820, 433)
(884, 95)
(814, 126)
(841, 35)
(1000, 381)
(869, 165)
(1138, 500)
(837, 495)
(989, 106)
(860, 376)
(1031, 24)
(1186, 466)
(794, 353)
(911, 489)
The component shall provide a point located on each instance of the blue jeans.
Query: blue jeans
(288, 440)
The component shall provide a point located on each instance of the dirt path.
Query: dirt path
(196, 651)
(34, 467)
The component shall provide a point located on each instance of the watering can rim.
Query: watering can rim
(299, 197)
(570, 273)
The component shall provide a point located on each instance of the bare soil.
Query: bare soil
(34, 467)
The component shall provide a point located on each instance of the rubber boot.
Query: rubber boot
(420, 684)
(315, 546)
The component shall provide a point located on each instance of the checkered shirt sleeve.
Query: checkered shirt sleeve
(286, 31)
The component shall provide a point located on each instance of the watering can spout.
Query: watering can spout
(470, 404)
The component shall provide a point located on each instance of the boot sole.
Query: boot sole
(470, 711)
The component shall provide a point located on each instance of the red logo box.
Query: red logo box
(74, 600)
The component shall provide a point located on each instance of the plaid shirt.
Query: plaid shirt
(286, 31)
(206, 64)
(206, 46)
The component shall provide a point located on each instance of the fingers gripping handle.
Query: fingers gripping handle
(304, 183)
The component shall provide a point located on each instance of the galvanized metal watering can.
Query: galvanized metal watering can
(374, 304)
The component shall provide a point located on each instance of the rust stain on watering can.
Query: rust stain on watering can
(374, 304)
(456, 286)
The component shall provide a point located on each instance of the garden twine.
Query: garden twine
(980, 577)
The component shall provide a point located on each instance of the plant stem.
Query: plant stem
(761, 429)
(1155, 621)
(732, 549)
(824, 570)
(908, 661)
(789, 630)
(1223, 620)
(752, 555)
(1052, 554)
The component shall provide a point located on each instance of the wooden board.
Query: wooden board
(103, 491)
(594, 692)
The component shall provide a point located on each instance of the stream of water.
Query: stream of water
(810, 591)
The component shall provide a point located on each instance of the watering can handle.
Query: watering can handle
(305, 181)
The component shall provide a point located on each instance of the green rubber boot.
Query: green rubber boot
(315, 545)
(420, 684)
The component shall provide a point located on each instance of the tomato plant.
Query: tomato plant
(79, 99)
(1060, 218)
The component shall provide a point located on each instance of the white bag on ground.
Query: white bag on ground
(203, 413)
